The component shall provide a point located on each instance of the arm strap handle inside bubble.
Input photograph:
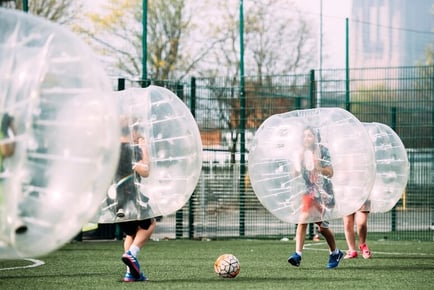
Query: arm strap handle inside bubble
(120, 182)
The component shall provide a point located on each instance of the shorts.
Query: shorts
(130, 227)
(307, 202)
(323, 224)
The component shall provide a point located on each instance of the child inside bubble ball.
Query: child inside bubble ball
(7, 149)
(133, 165)
(316, 170)
(134, 162)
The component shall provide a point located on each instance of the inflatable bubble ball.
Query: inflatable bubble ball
(160, 160)
(392, 167)
(59, 135)
(312, 165)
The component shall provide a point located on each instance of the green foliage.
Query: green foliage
(185, 264)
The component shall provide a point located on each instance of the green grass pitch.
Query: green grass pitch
(186, 264)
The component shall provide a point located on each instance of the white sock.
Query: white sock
(335, 251)
(298, 253)
(134, 250)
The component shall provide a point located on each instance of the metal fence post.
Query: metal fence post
(312, 91)
(393, 126)
(242, 179)
(347, 68)
(121, 84)
(191, 206)
(312, 88)
(26, 6)
(118, 233)
(432, 142)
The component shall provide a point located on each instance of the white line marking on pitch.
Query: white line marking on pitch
(308, 246)
(36, 263)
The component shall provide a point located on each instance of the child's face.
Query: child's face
(308, 139)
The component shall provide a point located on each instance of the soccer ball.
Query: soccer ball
(227, 266)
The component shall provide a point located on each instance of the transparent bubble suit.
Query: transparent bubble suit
(276, 162)
(65, 131)
(175, 151)
(392, 167)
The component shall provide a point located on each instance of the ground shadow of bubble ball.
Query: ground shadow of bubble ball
(174, 148)
(278, 166)
(392, 167)
(62, 122)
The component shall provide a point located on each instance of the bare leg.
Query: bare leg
(128, 242)
(362, 231)
(362, 226)
(300, 237)
(349, 231)
(329, 237)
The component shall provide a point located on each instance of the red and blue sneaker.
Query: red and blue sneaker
(132, 263)
(129, 277)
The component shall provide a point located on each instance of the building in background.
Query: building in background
(390, 32)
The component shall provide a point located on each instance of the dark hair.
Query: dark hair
(315, 132)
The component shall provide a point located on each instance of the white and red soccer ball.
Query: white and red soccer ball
(227, 266)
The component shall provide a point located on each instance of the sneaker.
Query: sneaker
(295, 260)
(366, 253)
(20, 227)
(132, 263)
(351, 255)
(129, 277)
(120, 213)
(334, 260)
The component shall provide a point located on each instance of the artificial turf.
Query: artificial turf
(187, 264)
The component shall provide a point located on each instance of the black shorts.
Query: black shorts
(130, 227)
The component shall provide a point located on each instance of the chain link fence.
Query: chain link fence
(224, 205)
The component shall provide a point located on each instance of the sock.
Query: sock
(298, 253)
(336, 251)
(134, 250)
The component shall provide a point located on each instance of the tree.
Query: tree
(64, 12)
(201, 38)
(117, 34)
(277, 39)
